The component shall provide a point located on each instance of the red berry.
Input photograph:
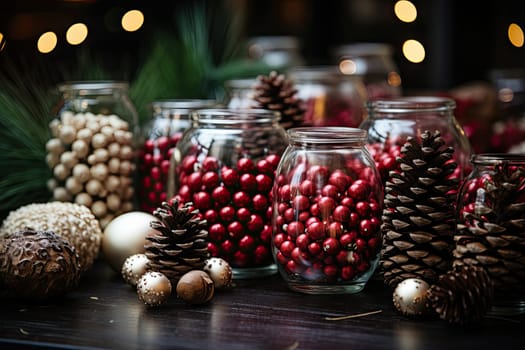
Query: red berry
(266, 234)
(221, 195)
(217, 232)
(202, 200)
(341, 213)
(213, 249)
(331, 246)
(227, 213)
(194, 181)
(326, 205)
(340, 180)
(285, 193)
(155, 173)
(243, 214)
(241, 259)
(347, 272)
(366, 228)
(316, 230)
(230, 177)
(211, 216)
(228, 247)
(246, 243)
(241, 199)
(318, 174)
(301, 203)
(260, 202)
(302, 241)
(307, 188)
(261, 254)
(347, 239)
(335, 229)
(273, 159)
(359, 190)
(264, 183)
(278, 239)
(362, 209)
(255, 224)
(245, 165)
(210, 163)
(315, 248)
(210, 180)
(263, 166)
(286, 248)
(235, 230)
(330, 270)
(247, 182)
(295, 228)
(347, 202)
(329, 190)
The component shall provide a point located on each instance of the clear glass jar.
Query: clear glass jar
(92, 151)
(327, 206)
(329, 97)
(278, 52)
(491, 226)
(375, 64)
(170, 118)
(391, 121)
(239, 93)
(225, 166)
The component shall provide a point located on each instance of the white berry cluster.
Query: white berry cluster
(92, 159)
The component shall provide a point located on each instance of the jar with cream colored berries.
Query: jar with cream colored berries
(170, 119)
(327, 206)
(92, 148)
(392, 120)
(225, 166)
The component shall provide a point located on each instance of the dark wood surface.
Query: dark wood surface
(104, 312)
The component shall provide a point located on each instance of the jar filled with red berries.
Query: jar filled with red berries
(327, 206)
(170, 118)
(391, 121)
(491, 226)
(225, 165)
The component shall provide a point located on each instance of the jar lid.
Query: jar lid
(190, 104)
(495, 158)
(364, 49)
(318, 73)
(328, 134)
(93, 85)
(411, 104)
(232, 116)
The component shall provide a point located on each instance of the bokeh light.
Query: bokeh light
(515, 34)
(2, 41)
(347, 67)
(47, 42)
(405, 11)
(132, 20)
(77, 33)
(413, 51)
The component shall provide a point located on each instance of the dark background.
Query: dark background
(464, 40)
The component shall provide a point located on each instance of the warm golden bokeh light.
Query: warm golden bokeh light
(515, 34)
(47, 42)
(405, 11)
(347, 67)
(413, 51)
(394, 79)
(2, 41)
(132, 20)
(77, 33)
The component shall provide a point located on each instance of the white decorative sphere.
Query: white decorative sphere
(153, 288)
(219, 271)
(410, 297)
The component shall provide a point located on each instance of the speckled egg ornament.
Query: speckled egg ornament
(219, 271)
(410, 297)
(195, 287)
(134, 267)
(153, 288)
(73, 222)
(124, 236)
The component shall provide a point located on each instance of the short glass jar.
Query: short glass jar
(225, 166)
(170, 119)
(92, 151)
(327, 206)
(329, 97)
(491, 226)
(391, 121)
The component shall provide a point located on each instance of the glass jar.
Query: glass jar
(225, 166)
(329, 97)
(374, 62)
(391, 121)
(239, 93)
(92, 148)
(491, 226)
(278, 52)
(327, 206)
(170, 118)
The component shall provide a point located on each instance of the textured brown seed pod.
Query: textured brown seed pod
(37, 264)
(195, 287)
(73, 222)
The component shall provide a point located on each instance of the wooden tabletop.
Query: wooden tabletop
(105, 313)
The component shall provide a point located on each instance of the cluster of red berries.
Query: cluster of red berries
(236, 203)
(326, 223)
(154, 165)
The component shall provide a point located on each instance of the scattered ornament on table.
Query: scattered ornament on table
(73, 222)
(179, 242)
(463, 295)
(153, 288)
(219, 271)
(91, 157)
(38, 264)
(410, 297)
(195, 287)
(419, 213)
(124, 236)
(134, 267)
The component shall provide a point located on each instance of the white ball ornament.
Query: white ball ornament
(81, 148)
(69, 159)
(125, 235)
(410, 297)
(67, 134)
(219, 271)
(134, 267)
(153, 288)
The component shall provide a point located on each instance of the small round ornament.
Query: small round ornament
(134, 267)
(124, 236)
(219, 271)
(195, 287)
(153, 288)
(410, 297)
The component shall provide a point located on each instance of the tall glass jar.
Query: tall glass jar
(329, 97)
(170, 118)
(327, 205)
(491, 226)
(239, 93)
(92, 149)
(225, 166)
(391, 121)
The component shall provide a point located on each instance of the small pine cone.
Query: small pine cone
(419, 214)
(277, 93)
(181, 244)
(463, 295)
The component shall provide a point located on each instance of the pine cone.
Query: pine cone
(277, 93)
(491, 232)
(462, 295)
(181, 244)
(418, 216)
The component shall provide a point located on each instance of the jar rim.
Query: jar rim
(319, 73)
(364, 49)
(93, 85)
(184, 104)
(493, 158)
(232, 116)
(411, 104)
(240, 83)
(327, 134)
